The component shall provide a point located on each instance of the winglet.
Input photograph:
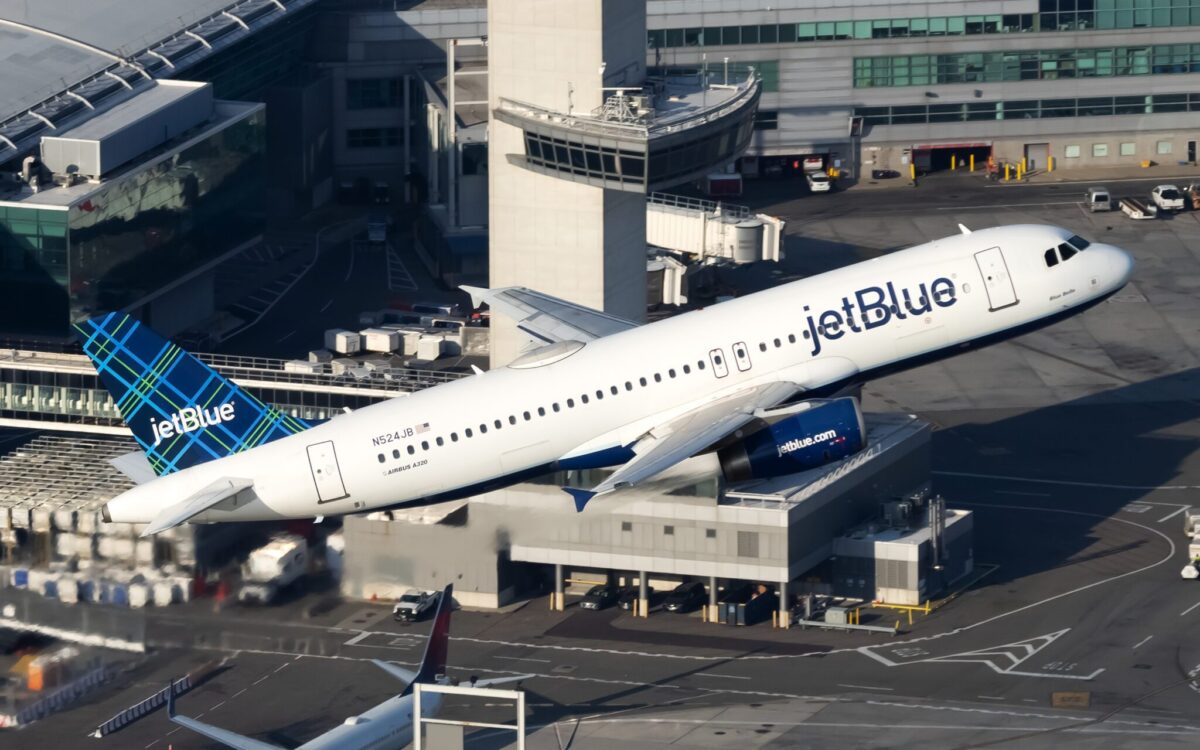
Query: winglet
(581, 497)
(478, 294)
(963, 229)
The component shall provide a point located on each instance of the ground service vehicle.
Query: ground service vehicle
(271, 569)
(1097, 199)
(413, 605)
(1167, 198)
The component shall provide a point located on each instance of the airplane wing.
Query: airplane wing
(682, 437)
(547, 318)
(224, 736)
(174, 515)
(494, 681)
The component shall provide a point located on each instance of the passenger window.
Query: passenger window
(791, 338)
(687, 370)
(778, 343)
(1051, 258)
(469, 433)
(395, 453)
(671, 372)
(700, 364)
(628, 386)
(642, 381)
(762, 347)
(439, 441)
(554, 406)
(1066, 251)
(526, 415)
(599, 395)
(541, 411)
(381, 458)
(482, 429)
(411, 450)
(498, 424)
(454, 437)
(657, 377)
(424, 445)
(512, 418)
(613, 389)
(806, 334)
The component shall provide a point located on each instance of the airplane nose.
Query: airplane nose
(1120, 263)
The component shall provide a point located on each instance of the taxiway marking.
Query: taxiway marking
(1182, 508)
(724, 676)
(1009, 205)
(327, 305)
(865, 687)
(522, 658)
(1189, 609)
(1142, 642)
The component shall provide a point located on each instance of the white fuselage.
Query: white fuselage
(388, 726)
(585, 409)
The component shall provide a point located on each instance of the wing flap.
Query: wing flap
(682, 437)
(549, 319)
(195, 504)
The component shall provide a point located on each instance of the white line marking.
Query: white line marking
(356, 639)
(327, 304)
(214, 708)
(1008, 205)
(239, 692)
(1142, 642)
(725, 676)
(1026, 494)
(864, 687)
(522, 658)
(281, 666)
(287, 335)
(260, 679)
(1172, 515)
(1189, 609)
(991, 697)
(1099, 485)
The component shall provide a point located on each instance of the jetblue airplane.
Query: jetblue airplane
(386, 726)
(748, 378)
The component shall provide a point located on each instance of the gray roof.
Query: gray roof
(35, 66)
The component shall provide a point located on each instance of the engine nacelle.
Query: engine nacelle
(823, 433)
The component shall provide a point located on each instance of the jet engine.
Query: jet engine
(806, 436)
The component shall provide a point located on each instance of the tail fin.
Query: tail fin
(433, 663)
(181, 411)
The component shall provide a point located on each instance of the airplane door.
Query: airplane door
(741, 356)
(996, 279)
(720, 368)
(327, 476)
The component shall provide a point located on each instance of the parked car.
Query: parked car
(1167, 198)
(685, 597)
(819, 182)
(413, 605)
(628, 595)
(599, 597)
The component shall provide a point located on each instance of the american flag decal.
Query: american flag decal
(423, 427)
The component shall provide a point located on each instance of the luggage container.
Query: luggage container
(139, 595)
(303, 366)
(429, 347)
(382, 340)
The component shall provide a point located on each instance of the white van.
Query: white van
(1097, 199)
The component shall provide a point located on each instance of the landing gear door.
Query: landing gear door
(996, 279)
(719, 365)
(326, 474)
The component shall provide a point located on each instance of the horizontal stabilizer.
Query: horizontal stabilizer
(174, 515)
(407, 676)
(494, 681)
(135, 466)
(223, 736)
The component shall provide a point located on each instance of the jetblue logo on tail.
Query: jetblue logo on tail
(190, 419)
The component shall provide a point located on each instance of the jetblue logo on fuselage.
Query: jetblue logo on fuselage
(189, 419)
(876, 306)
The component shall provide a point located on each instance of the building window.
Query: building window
(1128, 149)
(373, 93)
(710, 533)
(1071, 152)
(747, 544)
(627, 526)
(668, 531)
(766, 120)
(1163, 147)
(372, 137)
(1099, 149)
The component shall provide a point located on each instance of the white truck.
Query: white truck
(1167, 198)
(273, 568)
(414, 604)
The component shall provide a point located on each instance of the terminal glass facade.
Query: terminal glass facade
(132, 235)
(1055, 15)
(1038, 65)
(921, 114)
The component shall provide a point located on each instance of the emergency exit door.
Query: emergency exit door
(996, 279)
(327, 476)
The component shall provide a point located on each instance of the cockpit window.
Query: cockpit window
(1066, 251)
(1051, 258)
(1078, 242)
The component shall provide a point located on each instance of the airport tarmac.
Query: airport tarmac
(1075, 446)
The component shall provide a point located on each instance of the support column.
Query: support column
(557, 602)
(643, 602)
(785, 612)
(712, 599)
(408, 196)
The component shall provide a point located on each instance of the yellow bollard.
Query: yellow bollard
(1050, 164)
(1024, 164)
(953, 162)
(972, 162)
(912, 171)
(1006, 168)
